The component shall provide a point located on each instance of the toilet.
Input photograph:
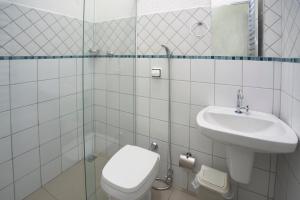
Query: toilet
(129, 174)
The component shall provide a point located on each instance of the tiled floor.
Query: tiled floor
(70, 186)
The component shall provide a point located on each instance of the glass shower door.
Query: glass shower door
(109, 85)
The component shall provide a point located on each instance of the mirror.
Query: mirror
(235, 28)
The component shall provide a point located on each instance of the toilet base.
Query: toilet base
(146, 196)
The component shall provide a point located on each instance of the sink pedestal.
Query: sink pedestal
(240, 162)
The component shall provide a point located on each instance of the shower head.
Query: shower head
(168, 52)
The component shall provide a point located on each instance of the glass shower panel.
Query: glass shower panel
(109, 85)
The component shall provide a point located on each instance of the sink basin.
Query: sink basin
(244, 134)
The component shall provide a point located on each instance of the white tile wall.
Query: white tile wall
(40, 119)
(287, 188)
(195, 84)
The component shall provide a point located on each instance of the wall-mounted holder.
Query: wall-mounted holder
(156, 72)
(187, 161)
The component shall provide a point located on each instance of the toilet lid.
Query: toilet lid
(129, 168)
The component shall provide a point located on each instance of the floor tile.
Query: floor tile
(179, 195)
(69, 185)
(41, 194)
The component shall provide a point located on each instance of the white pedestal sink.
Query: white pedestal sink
(244, 134)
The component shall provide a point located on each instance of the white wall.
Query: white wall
(156, 6)
(114, 9)
(71, 8)
(215, 3)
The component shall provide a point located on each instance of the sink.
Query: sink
(244, 134)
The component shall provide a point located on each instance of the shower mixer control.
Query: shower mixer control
(156, 72)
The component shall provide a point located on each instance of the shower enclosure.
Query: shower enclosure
(109, 85)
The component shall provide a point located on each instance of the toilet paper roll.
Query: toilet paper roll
(187, 161)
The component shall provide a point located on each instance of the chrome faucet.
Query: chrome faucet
(239, 103)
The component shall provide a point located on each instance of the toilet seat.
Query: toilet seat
(130, 172)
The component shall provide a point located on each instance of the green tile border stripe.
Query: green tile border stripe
(292, 60)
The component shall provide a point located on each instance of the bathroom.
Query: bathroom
(149, 99)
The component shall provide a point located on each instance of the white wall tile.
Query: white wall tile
(25, 141)
(68, 104)
(6, 175)
(286, 108)
(142, 141)
(200, 142)
(23, 71)
(27, 185)
(126, 121)
(100, 113)
(142, 106)
(48, 89)
(51, 170)
(26, 163)
(100, 81)
(4, 124)
(67, 67)
(113, 117)
(113, 100)
(296, 79)
(68, 123)
(259, 99)
(180, 91)
(159, 129)
(126, 103)
(143, 67)
(202, 94)
(7, 193)
(100, 65)
(50, 151)
(159, 109)
(143, 87)
(258, 74)
(180, 135)
(126, 84)
(142, 125)
(113, 66)
(159, 88)
(180, 113)
(67, 86)
(180, 177)
(49, 131)
(4, 72)
(23, 94)
(226, 95)
(258, 182)
(48, 69)
(203, 71)
(229, 72)
(126, 137)
(100, 97)
(181, 69)
(287, 78)
(48, 110)
(23, 118)
(113, 83)
(296, 117)
(277, 75)
(126, 66)
(4, 98)
(194, 110)
(69, 141)
(5, 149)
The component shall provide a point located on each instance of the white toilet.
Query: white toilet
(129, 174)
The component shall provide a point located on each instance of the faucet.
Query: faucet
(239, 103)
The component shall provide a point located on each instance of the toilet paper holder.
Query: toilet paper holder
(187, 161)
